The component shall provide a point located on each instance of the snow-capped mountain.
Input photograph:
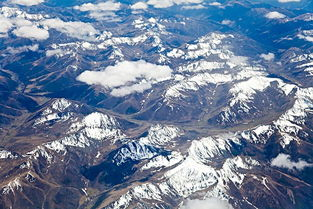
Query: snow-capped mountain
(157, 104)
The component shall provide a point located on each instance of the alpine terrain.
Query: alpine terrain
(156, 104)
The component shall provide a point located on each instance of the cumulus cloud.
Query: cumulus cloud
(127, 77)
(103, 6)
(126, 90)
(211, 203)
(227, 22)
(75, 29)
(21, 49)
(268, 57)
(283, 161)
(101, 11)
(5, 26)
(275, 15)
(189, 7)
(139, 5)
(169, 3)
(287, 1)
(22, 28)
(306, 35)
(31, 32)
(215, 3)
(19, 22)
(27, 2)
(53, 52)
(238, 60)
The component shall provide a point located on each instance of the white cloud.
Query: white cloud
(307, 38)
(27, 2)
(306, 35)
(5, 26)
(127, 77)
(13, 50)
(103, 6)
(101, 11)
(126, 90)
(283, 161)
(238, 60)
(275, 15)
(227, 22)
(139, 5)
(19, 22)
(169, 3)
(211, 203)
(23, 28)
(31, 32)
(161, 3)
(53, 52)
(268, 57)
(77, 29)
(287, 1)
(105, 15)
(199, 6)
(215, 3)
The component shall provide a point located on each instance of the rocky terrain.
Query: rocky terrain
(158, 104)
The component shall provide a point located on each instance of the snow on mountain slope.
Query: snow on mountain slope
(307, 65)
(134, 151)
(57, 112)
(149, 29)
(192, 173)
(259, 134)
(95, 126)
(195, 174)
(230, 172)
(147, 147)
(144, 191)
(191, 176)
(246, 77)
(81, 133)
(5, 154)
(208, 45)
(289, 124)
(292, 119)
(194, 83)
(159, 135)
(208, 131)
(161, 161)
(210, 148)
(244, 90)
(11, 12)
(188, 177)
(12, 187)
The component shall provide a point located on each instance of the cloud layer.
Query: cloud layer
(127, 77)
(287, 1)
(5, 26)
(31, 32)
(100, 11)
(169, 3)
(36, 27)
(211, 203)
(103, 6)
(283, 161)
(139, 5)
(268, 57)
(75, 29)
(275, 15)
(27, 2)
